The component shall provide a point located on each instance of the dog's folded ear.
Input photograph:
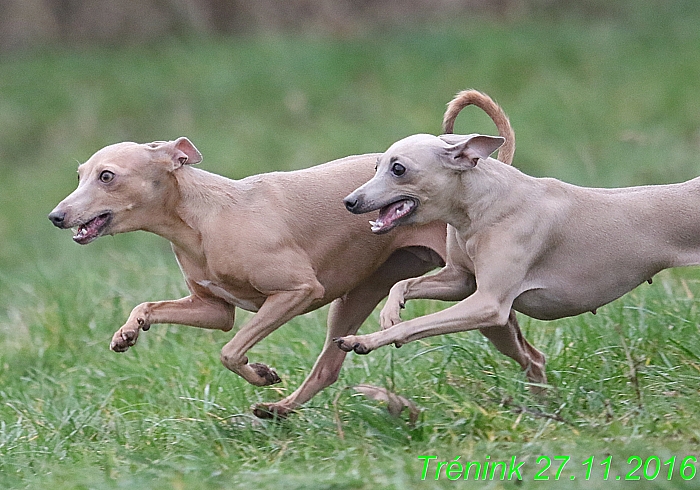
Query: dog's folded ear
(185, 152)
(466, 153)
(181, 151)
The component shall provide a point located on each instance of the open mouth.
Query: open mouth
(392, 214)
(92, 229)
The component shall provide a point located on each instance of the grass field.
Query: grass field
(594, 101)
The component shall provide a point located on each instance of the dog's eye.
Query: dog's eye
(398, 169)
(106, 176)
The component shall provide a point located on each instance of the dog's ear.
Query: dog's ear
(181, 151)
(185, 153)
(466, 154)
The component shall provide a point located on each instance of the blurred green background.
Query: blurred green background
(603, 96)
(599, 93)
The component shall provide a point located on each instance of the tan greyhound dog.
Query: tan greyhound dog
(543, 247)
(279, 244)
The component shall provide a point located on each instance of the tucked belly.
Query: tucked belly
(544, 304)
(564, 300)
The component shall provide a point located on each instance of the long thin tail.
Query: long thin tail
(487, 104)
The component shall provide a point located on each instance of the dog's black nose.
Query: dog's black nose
(57, 218)
(350, 204)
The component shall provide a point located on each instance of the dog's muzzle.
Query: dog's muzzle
(351, 204)
(58, 218)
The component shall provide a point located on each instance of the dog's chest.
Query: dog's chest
(460, 251)
(236, 293)
(225, 295)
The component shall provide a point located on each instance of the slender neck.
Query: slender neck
(178, 232)
(195, 195)
(488, 192)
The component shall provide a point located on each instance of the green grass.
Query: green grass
(605, 102)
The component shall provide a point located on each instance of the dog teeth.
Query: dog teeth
(376, 225)
(403, 209)
(80, 231)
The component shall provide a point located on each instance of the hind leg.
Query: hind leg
(509, 340)
(345, 317)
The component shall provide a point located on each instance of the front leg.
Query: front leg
(192, 310)
(498, 272)
(455, 285)
(278, 309)
(449, 284)
(477, 311)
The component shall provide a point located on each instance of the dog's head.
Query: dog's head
(417, 177)
(120, 186)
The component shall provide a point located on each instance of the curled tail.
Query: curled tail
(494, 111)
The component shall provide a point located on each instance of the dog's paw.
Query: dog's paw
(350, 343)
(391, 313)
(268, 375)
(388, 319)
(271, 411)
(126, 336)
(343, 344)
(123, 339)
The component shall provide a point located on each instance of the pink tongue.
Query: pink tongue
(91, 229)
(391, 213)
